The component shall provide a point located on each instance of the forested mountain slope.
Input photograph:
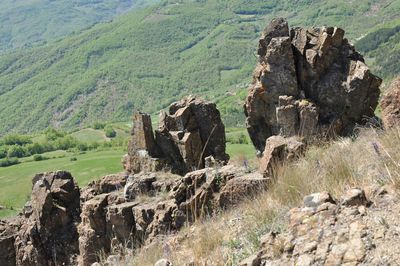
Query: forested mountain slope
(24, 22)
(148, 58)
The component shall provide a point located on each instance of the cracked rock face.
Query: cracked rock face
(190, 132)
(390, 104)
(308, 82)
(51, 222)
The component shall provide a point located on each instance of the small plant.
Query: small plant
(73, 159)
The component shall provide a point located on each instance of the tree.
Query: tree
(110, 132)
(16, 151)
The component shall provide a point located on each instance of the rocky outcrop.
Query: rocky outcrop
(192, 131)
(324, 231)
(154, 204)
(50, 222)
(308, 82)
(390, 104)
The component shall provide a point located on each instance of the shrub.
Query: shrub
(65, 143)
(14, 139)
(3, 152)
(53, 134)
(8, 162)
(73, 159)
(82, 146)
(110, 132)
(39, 157)
(98, 125)
(237, 139)
(16, 151)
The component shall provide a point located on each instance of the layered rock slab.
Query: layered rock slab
(308, 82)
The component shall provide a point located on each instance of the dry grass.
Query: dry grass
(225, 239)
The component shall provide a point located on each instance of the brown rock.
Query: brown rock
(278, 149)
(93, 230)
(330, 87)
(238, 189)
(8, 233)
(354, 197)
(192, 131)
(55, 214)
(390, 104)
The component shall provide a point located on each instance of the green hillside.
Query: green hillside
(25, 22)
(148, 58)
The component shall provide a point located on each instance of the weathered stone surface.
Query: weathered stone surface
(8, 232)
(308, 82)
(106, 184)
(93, 230)
(139, 184)
(192, 131)
(239, 189)
(321, 232)
(354, 197)
(317, 199)
(142, 135)
(52, 222)
(390, 104)
(163, 262)
(277, 149)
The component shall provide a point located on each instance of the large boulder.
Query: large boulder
(308, 82)
(190, 132)
(390, 104)
(51, 222)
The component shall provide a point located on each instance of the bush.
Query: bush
(14, 139)
(98, 125)
(73, 159)
(110, 132)
(8, 162)
(38, 157)
(53, 134)
(65, 143)
(237, 139)
(3, 152)
(16, 151)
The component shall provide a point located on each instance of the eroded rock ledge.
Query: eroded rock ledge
(308, 82)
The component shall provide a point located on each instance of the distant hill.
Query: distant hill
(26, 22)
(148, 58)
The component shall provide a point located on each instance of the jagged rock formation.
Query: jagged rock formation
(116, 212)
(121, 217)
(390, 104)
(351, 230)
(49, 221)
(192, 131)
(308, 82)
